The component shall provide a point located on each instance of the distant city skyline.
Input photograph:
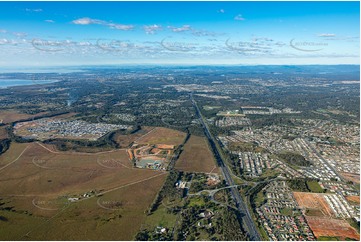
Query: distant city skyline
(184, 33)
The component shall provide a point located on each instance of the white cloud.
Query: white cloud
(239, 17)
(49, 21)
(33, 10)
(4, 41)
(120, 26)
(152, 29)
(221, 11)
(88, 21)
(201, 33)
(326, 35)
(19, 34)
(180, 29)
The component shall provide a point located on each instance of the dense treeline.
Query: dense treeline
(168, 190)
(294, 159)
(48, 115)
(4, 145)
(105, 142)
(232, 229)
(304, 185)
(225, 224)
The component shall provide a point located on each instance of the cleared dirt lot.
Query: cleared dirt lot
(331, 227)
(35, 184)
(352, 177)
(353, 199)
(162, 136)
(197, 156)
(313, 201)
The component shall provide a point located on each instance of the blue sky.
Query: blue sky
(91, 33)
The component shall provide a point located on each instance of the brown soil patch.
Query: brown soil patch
(353, 199)
(313, 201)
(351, 177)
(331, 227)
(162, 146)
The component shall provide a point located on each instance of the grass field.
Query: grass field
(196, 201)
(259, 199)
(160, 217)
(99, 220)
(196, 156)
(9, 116)
(35, 184)
(40, 171)
(286, 211)
(3, 133)
(314, 212)
(327, 238)
(314, 186)
(162, 136)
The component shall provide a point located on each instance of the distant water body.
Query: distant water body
(40, 70)
(4, 83)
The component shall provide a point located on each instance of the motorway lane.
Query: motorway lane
(248, 223)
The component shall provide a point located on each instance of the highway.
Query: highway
(247, 221)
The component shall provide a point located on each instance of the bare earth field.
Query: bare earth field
(331, 227)
(36, 182)
(352, 177)
(162, 136)
(196, 156)
(353, 199)
(313, 201)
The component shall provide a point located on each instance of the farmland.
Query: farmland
(196, 156)
(37, 183)
(331, 228)
(162, 136)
